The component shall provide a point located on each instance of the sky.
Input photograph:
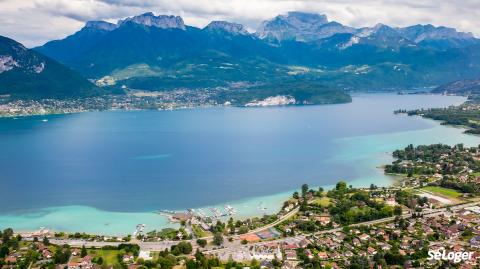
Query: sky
(34, 22)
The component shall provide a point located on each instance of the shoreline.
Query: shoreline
(276, 200)
(206, 106)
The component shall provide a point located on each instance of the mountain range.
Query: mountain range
(149, 52)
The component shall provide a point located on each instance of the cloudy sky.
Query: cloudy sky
(33, 22)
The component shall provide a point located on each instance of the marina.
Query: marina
(199, 214)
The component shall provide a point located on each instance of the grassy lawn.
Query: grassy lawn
(199, 232)
(324, 201)
(358, 210)
(443, 191)
(109, 256)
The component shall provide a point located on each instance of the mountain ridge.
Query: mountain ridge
(150, 52)
(25, 73)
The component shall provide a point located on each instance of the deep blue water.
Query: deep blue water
(147, 160)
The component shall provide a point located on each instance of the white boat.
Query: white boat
(230, 210)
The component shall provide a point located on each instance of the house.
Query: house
(290, 255)
(11, 259)
(371, 251)
(384, 246)
(386, 237)
(356, 242)
(84, 263)
(339, 237)
(457, 248)
(309, 254)
(324, 220)
(303, 243)
(127, 258)
(452, 232)
(75, 252)
(364, 237)
(46, 254)
(40, 246)
(475, 241)
(336, 255)
(145, 255)
(266, 252)
(288, 246)
(73, 265)
(322, 255)
(390, 226)
(390, 201)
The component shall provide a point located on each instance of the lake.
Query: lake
(105, 172)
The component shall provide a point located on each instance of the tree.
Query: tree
(62, 255)
(341, 186)
(182, 248)
(191, 264)
(304, 190)
(295, 195)
(202, 242)
(7, 234)
(167, 262)
(276, 262)
(4, 251)
(254, 264)
(398, 210)
(243, 230)
(45, 241)
(218, 239)
(83, 252)
(99, 261)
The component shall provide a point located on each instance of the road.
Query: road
(236, 244)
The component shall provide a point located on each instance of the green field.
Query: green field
(324, 201)
(199, 232)
(109, 256)
(443, 191)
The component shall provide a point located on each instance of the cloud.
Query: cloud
(34, 22)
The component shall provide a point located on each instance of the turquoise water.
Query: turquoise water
(106, 172)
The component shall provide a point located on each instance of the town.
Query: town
(133, 100)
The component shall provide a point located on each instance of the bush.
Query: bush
(218, 239)
(202, 242)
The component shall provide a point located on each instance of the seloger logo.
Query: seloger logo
(450, 256)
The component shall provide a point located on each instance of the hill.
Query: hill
(27, 74)
(462, 87)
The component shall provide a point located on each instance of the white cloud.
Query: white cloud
(34, 22)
